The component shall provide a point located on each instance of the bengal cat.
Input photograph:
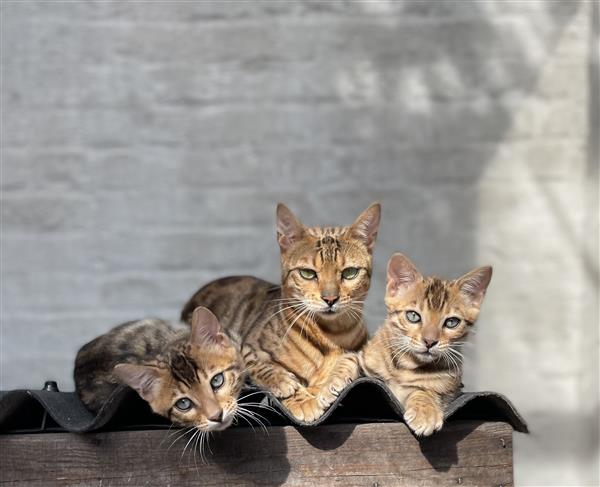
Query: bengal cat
(417, 350)
(299, 338)
(191, 377)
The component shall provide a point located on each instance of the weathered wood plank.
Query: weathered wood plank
(463, 453)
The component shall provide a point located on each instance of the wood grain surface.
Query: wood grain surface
(377, 454)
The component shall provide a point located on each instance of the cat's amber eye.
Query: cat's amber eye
(217, 381)
(451, 322)
(413, 316)
(184, 404)
(307, 274)
(350, 272)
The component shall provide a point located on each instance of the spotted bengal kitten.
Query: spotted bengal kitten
(191, 377)
(298, 339)
(417, 350)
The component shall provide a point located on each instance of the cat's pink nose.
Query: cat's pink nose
(330, 299)
(216, 416)
(429, 342)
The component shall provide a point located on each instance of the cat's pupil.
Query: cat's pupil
(413, 316)
(183, 404)
(217, 381)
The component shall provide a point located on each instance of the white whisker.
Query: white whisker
(246, 414)
(188, 442)
(185, 432)
(292, 324)
(251, 394)
(281, 310)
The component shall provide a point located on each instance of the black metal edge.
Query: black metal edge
(69, 412)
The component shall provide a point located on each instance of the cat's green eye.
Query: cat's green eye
(217, 381)
(350, 272)
(451, 322)
(413, 316)
(307, 274)
(184, 404)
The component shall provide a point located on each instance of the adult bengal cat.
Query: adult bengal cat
(299, 338)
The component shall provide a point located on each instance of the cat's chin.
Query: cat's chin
(336, 312)
(425, 357)
(329, 314)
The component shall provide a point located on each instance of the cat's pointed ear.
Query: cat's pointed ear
(145, 379)
(289, 228)
(474, 284)
(367, 224)
(206, 329)
(401, 274)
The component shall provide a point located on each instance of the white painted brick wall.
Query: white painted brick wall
(144, 146)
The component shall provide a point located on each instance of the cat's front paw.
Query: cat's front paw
(424, 419)
(304, 406)
(329, 393)
(347, 370)
(284, 385)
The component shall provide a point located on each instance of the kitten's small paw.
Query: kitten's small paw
(424, 420)
(304, 407)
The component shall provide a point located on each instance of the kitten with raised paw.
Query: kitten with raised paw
(191, 376)
(417, 350)
(299, 338)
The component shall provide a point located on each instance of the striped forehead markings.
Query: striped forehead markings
(436, 294)
(321, 232)
(328, 248)
(184, 369)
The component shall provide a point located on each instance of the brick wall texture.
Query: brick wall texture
(146, 144)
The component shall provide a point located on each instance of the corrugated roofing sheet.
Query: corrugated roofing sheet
(365, 400)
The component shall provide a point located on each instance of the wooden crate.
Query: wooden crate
(374, 454)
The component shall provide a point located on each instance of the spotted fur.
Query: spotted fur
(299, 338)
(421, 361)
(165, 363)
